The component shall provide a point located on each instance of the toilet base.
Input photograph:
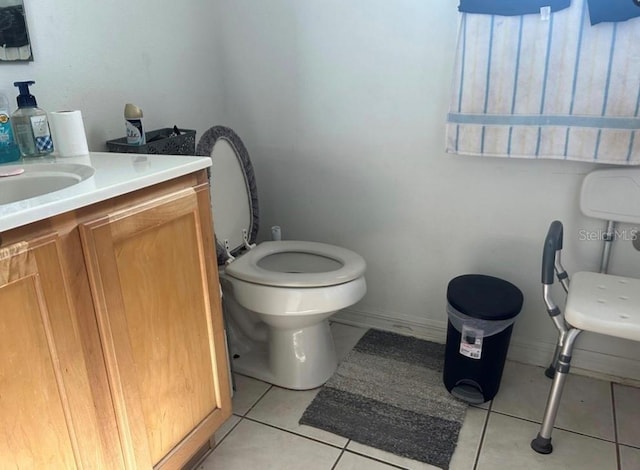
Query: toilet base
(298, 359)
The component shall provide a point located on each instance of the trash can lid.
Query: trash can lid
(484, 297)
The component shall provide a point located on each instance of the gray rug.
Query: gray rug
(388, 393)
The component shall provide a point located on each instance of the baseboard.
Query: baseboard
(430, 330)
(589, 363)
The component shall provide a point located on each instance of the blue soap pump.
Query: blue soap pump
(9, 150)
(30, 124)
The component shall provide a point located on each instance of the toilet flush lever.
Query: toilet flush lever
(245, 240)
(227, 248)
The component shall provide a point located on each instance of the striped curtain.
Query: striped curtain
(547, 86)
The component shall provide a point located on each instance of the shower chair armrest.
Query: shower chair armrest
(552, 267)
(552, 245)
(551, 257)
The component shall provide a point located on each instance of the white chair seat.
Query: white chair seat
(606, 304)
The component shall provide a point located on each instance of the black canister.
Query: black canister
(481, 313)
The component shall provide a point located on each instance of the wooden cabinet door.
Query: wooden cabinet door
(160, 326)
(47, 414)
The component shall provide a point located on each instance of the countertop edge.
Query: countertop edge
(75, 197)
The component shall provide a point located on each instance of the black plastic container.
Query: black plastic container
(481, 311)
(159, 141)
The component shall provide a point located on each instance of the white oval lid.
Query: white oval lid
(233, 192)
(247, 267)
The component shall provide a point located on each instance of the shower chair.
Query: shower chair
(597, 302)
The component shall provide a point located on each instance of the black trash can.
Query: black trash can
(481, 312)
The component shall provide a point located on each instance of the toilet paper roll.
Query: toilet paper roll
(67, 129)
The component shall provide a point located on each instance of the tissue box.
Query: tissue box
(183, 144)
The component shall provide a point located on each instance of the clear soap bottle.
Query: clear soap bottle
(30, 124)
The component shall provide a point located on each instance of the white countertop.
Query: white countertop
(115, 174)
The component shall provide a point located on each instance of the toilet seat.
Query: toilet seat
(234, 195)
(235, 208)
(250, 266)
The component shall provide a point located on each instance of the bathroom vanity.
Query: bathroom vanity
(112, 348)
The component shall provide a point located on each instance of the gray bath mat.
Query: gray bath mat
(388, 393)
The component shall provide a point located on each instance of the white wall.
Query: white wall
(341, 105)
(97, 56)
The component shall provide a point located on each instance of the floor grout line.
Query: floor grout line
(615, 425)
(228, 432)
(257, 401)
(273, 426)
(611, 441)
(375, 459)
(343, 449)
(337, 460)
(482, 436)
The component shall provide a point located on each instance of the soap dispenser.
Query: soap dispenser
(30, 124)
(9, 151)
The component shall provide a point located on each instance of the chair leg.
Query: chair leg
(550, 371)
(558, 320)
(542, 443)
(563, 330)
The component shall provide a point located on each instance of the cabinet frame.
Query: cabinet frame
(114, 423)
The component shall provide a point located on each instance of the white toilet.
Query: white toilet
(278, 295)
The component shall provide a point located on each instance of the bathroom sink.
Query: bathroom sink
(38, 179)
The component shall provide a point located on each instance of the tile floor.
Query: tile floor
(598, 427)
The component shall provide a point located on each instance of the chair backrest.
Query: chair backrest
(612, 194)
